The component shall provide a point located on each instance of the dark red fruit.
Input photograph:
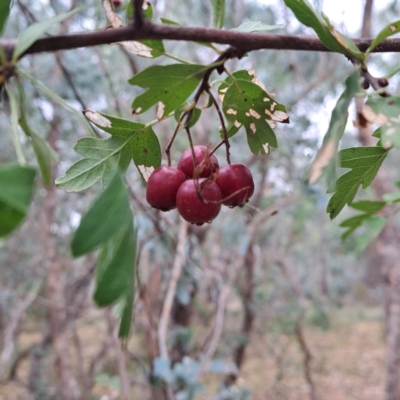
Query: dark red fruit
(235, 178)
(117, 3)
(194, 209)
(205, 165)
(162, 187)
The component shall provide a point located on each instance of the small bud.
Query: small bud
(365, 85)
(383, 82)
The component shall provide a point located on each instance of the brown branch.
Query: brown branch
(240, 40)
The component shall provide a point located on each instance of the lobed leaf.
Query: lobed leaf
(364, 163)
(103, 157)
(247, 104)
(326, 159)
(16, 192)
(169, 85)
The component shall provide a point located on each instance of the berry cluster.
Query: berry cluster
(198, 186)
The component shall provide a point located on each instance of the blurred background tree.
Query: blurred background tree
(270, 303)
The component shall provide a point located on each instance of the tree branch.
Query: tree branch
(241, 40)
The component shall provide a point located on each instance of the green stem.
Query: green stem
(14, 125)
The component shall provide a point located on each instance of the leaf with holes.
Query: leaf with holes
(331, 38)
(169, 85)
(144, 148)
(326, 160)
(385, 111)
(387, 31)
(364, 163)
(16, 191)
(247, 104)
(146, 152)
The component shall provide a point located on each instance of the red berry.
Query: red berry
(162, 187)
(117, 3)
(192, 208)
(235, 178)
(206, 165)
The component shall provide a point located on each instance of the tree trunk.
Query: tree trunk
(66, 384)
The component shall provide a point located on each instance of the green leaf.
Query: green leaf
(364, 163)
(385, 112)
(115, 266)
(326, 160)
(109, 225)
(156, 46)
(391, 197)
(248, 104)
(16, 191)
(104, 219)
(44, 154)
(387, 31)
(56, 98)
(103, 157)
(5, 6)
(256, 26)
(374, 225)
(146, 152)
(218, 12)
(144, 147)
(168, 85)
(331, 38)
(34, 31)
(193, 118)
(127, 310)
(368, 206)
(352, 224)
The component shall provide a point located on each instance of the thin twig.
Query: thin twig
(167, 306)
(223, 126)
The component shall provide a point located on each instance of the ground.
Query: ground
(348, 363)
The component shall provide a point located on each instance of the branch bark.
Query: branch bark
(148, 30)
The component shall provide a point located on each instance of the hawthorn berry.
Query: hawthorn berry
(205, 164)
(162, 187)
(197, 203)
(236, 184)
